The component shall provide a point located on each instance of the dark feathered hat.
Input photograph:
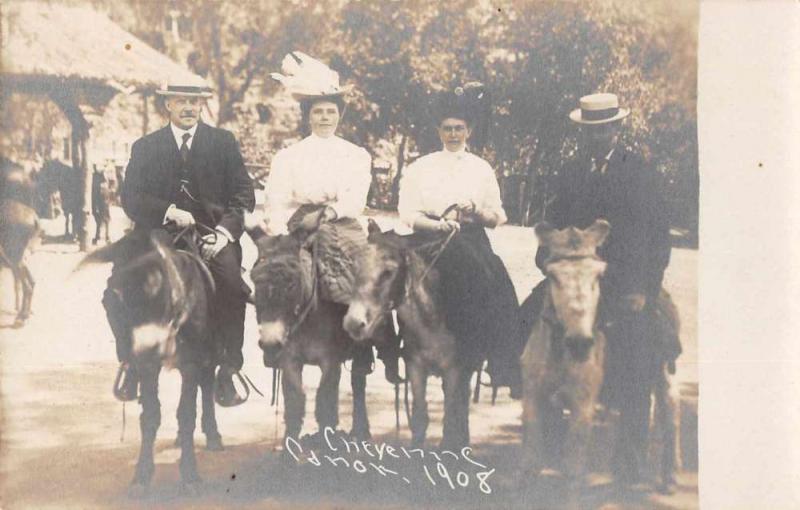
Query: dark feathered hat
(470, 102)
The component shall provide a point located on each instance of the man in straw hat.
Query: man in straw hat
(190, 173)
(607, 180)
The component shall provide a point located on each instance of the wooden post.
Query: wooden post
(64, 97)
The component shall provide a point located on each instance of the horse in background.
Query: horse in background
(293, 316)
(563, 361)
(56, 176)
(166, 295)
(19, 228)
(396, 276)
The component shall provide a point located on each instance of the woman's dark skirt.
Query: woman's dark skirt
(480, 304)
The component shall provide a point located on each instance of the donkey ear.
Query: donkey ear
(110, 253)
(598, 231)
(162, 241)
(372, 227)
(104, 255)
(543, 231)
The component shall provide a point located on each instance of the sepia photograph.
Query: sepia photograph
(349, 254)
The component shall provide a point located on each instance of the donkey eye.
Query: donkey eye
(152, 284)
(385, 275)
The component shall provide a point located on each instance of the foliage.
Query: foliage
(537, 57)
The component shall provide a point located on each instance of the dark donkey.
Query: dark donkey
(397, 277)
(19, 227)
(166, 294)
(308, 328)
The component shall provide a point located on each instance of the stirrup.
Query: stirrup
(237, 398)
(122, 385)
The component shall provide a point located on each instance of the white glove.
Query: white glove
(212, 245)
(180, 217)
(448, 225)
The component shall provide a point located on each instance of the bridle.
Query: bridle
(301, 315)
(441, 245)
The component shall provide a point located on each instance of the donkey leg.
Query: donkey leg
(450, 428)
(208, 422)
(533, 447)
(666, 419)
(576, 444)
(631, 446)
(419, 407)
(28, 283)
(294, 398)
(455, 434)
(187, 419)
(358, 383)
(326, 405)
(149, 421)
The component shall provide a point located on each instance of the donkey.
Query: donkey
(19, 228)
(166, 295)
(308, 330)
(562, 364)
(395, 276)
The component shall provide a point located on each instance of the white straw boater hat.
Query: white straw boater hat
(598, 109)
(175, 87)
(307, 78)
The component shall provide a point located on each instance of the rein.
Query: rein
(442, 245)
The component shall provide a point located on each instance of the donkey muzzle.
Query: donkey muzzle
(150, 336)
(579, 347)
(273, 333)
(357, 322)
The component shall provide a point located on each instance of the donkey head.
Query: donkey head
(380, 284)
(284, 287)
(574, 270)
(148, 283)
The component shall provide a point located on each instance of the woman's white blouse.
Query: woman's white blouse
(317, 170)
(436, 181)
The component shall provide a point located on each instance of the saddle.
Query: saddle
(337, 246)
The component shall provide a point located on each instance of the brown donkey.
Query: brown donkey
(19, 228)
(395, 276)
(562, 365)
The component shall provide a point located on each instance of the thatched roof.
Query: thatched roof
(78, 44)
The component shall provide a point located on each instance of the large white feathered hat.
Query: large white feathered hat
(306, 77)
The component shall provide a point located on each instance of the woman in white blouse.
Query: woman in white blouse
(324, 170)
(321, 169)
(480, 301)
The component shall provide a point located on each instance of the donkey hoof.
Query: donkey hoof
(191, 488)
(138, 490)
(18, 323)
(214, 443)
(666, 488)
(361, 433)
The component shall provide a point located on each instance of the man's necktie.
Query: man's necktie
(185, 147)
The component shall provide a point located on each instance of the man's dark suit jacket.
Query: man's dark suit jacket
(627, 195)
(216, 174)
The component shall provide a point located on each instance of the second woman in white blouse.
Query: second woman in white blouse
(324, 170)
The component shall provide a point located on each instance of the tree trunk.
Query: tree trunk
(401, 160)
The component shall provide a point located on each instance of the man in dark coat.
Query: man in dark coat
(183, 174)
(609, 181)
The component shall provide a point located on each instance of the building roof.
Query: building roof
(78, 44)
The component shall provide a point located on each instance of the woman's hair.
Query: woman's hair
(305, 109)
